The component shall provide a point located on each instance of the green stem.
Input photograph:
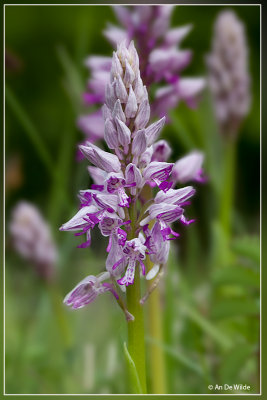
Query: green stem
(227, 187)
(170, 312)
(222, 227)
(157, 359)
(136, 333)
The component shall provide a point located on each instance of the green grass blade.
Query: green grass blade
(177, 355)
(231, 308)
(72, 82)
(133, 374)
(248, 246)
(29, 128)
(206, 326)
(234, 362)
(237, 275)
(182, 132)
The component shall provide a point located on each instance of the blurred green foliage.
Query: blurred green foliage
(211, 313)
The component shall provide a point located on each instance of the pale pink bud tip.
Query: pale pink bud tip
(188, 168)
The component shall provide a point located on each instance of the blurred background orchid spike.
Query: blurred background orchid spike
(161, 63)
(229, 77)
(32, 239)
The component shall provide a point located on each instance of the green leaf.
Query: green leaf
(178, 356)
(248, 246)
(73, 82)
(233, 362)
(220, 251)
(133, 374)
(207, 326)
(235, 307)
(237, 275)
(60, 198)
(182, 132)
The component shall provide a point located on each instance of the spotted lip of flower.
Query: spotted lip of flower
(165, 214)
(116, 255)
(115, 183)
(110, 226)
(109, 223)
(134, 251)
(159, 172)
(133, 178)
(158, 246)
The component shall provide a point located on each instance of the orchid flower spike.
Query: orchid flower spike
(136, 162)
(228, 73)
(162, 61)
(32, 239)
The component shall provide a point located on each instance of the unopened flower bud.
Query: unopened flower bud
(101, 159)
(118, 112)
(143, 115)
(139, 144)
(161, 151)
(124, 133)
(131, 105)
(189, 168)
(110, 95)
(111, 135)
(120, 90)
(116, 68)
(153, 131)
(106, 112)
(129, 75)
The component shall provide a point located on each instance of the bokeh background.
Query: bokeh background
(211, 311)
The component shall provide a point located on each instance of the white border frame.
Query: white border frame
(4, 221)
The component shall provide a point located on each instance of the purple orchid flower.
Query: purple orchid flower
(189, 168)
(32, 240)
(135, 228)
(87, 291)
(134, 251)
(228, 72)
(161, 62)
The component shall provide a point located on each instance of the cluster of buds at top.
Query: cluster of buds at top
(161, 62)
(229, 78)
(31, 238)
(137, 226)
